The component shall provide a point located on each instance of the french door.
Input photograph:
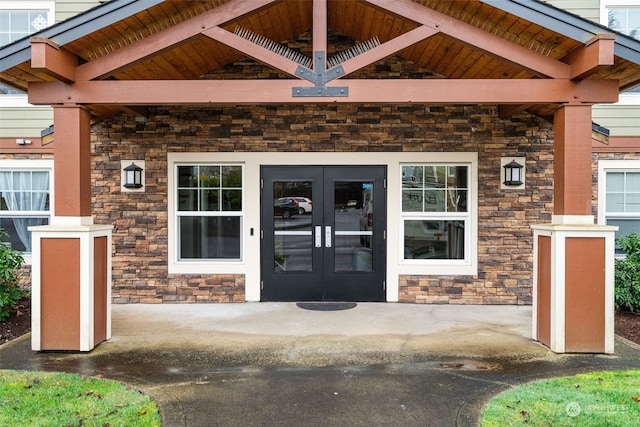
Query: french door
(323, 233)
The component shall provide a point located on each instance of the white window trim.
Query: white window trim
(20, 101)
(240, 214)
(605, 166)
(250, 264)
(32, 165)
(466, 217)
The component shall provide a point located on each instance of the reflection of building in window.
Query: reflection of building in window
(436, 220)
(24, 202)
(625, 20)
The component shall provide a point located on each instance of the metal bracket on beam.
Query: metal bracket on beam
(320, 79)
(322, 91)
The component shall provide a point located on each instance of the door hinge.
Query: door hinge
(384, 183)
(261, 285)
(384, 285)
(384, 235)
(261, 234)
(261, 183)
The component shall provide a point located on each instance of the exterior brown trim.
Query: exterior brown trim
(9, 145)
(618, 144)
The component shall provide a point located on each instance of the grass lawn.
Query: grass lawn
(56, 399)
(593, 399)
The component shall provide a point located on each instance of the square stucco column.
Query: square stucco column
(71, 270)
(573, 290)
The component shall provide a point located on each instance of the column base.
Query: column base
(71, 287)
(573, 290)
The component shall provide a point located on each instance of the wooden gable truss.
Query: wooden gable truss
(97, 82)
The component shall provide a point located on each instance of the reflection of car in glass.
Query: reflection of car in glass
(285, 207)
(304, 204)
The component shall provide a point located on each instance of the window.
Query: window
(24, 200)
(619, 195)
(435, 213)
(20, 19)
(209, 211)
(625, 20)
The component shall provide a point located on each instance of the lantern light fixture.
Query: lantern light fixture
(133, 176)
(513, 173)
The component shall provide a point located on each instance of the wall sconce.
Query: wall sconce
(513, 172)
(132, 178)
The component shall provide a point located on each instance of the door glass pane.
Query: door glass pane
(353, 219)
(293, 234)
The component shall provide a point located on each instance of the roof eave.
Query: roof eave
(568, 24)
(74, 28)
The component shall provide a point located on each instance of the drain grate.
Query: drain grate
(326, 306)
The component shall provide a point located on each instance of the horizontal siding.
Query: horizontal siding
(24, 122)
(587, 9)
(621, 120)
(65, 9)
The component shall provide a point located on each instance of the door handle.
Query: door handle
(327, 236)
(318, 236)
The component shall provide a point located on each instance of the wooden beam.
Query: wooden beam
(595, 55)
(52, 59)
(432, 91)
(72, 161)
(388, 48)
(319, 33)
(253, 50)
(497, 47)
(572, 184)
(167, 39)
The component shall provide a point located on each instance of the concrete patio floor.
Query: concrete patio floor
(265, 364)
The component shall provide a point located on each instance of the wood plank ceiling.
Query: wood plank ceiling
(286, 20)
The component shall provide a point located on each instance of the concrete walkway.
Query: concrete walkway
(266, 364)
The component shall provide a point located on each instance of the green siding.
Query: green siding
(588, 9)
(67, 8)
(621, 120)
(24, 122)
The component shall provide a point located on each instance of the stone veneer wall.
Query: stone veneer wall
(140, 219)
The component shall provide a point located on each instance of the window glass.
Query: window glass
(24, 202)
(16, 24)
(435, 212)
(625, 20)
(623, 192)
(209, 209)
